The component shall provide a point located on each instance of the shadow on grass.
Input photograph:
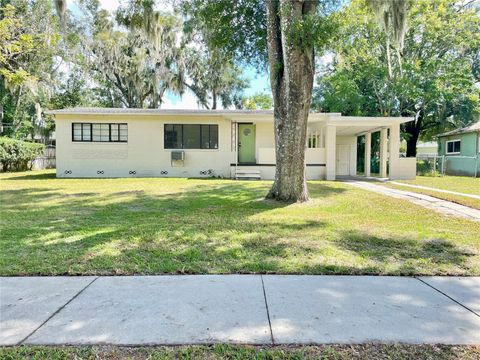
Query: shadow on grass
(31, 176)
(209, 228)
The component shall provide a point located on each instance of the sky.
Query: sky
(259, 83)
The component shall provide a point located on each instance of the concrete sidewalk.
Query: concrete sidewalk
(441, 206)
(254, 309)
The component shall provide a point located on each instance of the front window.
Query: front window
(453, 147)
(101, 132)
(191, 136)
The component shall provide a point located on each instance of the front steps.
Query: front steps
(247, 174)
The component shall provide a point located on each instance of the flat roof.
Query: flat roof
(266, 115)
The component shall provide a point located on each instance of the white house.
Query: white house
(101, 142)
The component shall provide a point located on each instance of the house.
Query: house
(106, 142)
(461, 149)
(427, 148)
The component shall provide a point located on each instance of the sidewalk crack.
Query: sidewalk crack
(448, 296)
(57, 311)
(268, 311)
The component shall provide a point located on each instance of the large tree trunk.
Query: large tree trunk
(292, 69)
(413, 128)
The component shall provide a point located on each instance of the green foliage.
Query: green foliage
(18, 155)
(436, 82)
(238, 28)
(314, 29)
(258, 101)
(29, 59)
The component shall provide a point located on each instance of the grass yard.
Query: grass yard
(55, 226)
(224, 352)
(462, 184)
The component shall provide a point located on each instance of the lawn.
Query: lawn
(223, 352)
(150, 226)
(461, 184)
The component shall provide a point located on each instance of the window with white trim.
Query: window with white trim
(453, 146)
(99, 132)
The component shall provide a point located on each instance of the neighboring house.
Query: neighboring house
(461, 148)
(427, 148)
(102, 142)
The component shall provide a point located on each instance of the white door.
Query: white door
(343, 160)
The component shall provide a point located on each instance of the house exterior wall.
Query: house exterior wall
(468, 161)
(144, 155)
(144, 152)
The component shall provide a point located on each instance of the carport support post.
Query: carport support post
(394, 149)
(331, 151)
(368, 152)
(383, 152)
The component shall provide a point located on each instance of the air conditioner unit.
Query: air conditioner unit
(178, 155)
(177, 158)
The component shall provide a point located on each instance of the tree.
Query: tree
(285, 32)
(258, 101)
(392, 18)
(213, 78)
(28, 64)
(436, 84)
(136, 64)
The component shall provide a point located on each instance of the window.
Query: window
(99, 132)
(453, 147)
(315, 139)
(82, 132)
(191, 136)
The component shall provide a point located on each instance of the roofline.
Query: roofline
(457, 132)
(334, 118)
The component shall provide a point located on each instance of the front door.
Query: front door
(343, 160)
(246, 143)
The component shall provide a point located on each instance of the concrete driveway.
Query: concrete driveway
(253, 309)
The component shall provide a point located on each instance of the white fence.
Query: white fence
(46, 161)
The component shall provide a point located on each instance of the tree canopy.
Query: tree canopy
(436, 83)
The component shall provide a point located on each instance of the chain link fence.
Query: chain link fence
(440, 165)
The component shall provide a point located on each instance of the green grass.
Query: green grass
(462, 184)
(221, 352)
(459, 199)
(150, 226)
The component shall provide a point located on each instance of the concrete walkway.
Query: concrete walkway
(254, 309)
(441, 206)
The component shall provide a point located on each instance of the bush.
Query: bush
(18, 155)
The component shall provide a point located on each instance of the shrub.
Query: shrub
(17, 154)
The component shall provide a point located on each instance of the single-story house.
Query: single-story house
(427, 148)
(461, 149)
(107, 142)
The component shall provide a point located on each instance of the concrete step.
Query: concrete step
(246, 174)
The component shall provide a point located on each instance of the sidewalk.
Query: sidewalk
(253, 309)
(441, 206)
